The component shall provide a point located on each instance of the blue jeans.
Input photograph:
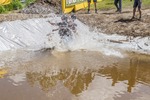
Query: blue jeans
(119, 7)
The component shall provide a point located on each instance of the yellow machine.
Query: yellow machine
(5, 2)
(70, 5)
(67, 5)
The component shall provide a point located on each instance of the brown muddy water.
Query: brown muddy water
(80, 75)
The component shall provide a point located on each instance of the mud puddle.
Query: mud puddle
(79, 75)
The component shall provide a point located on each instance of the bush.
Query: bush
(2, 9)
(27, 2)
(14, 5)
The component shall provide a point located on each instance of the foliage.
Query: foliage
(2, 9)
(28, 2)
(15, 5)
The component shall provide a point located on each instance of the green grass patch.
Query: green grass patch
(109, 4)
(15, 5)
(2, 9)
(27, 2)
(146, 3)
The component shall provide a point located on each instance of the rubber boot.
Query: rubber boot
(96, 11)
(88, 12)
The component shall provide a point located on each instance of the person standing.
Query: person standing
(118, 4)
(89, 2)
(137, 3)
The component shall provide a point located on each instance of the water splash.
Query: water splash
(32, 35)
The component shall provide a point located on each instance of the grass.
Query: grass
(109, 4)
(14, 5)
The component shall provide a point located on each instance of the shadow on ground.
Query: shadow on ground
(111, 13)
(126, 20)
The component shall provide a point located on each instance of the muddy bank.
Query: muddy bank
(18, 16)
(39, 9)
(110, 22)
(43, 7)
(106, 22)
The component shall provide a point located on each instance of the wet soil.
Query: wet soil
(18, 16)
(43, 7)
(106, 21)
(110, 22)
(39, 9)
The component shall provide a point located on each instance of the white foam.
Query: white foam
(32, 33)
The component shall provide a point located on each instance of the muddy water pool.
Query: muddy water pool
(79, 75)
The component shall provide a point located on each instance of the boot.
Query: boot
(88, 12)
(96, 11)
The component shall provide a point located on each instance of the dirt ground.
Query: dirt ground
(39, 9)
(18, 16)
(107, 21)
(110, 22)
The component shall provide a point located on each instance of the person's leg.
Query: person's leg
(139, 9)
(89, 1)
(120, 6)
(140, 13)
(95, 1)
(134, 8)
(116, 4)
